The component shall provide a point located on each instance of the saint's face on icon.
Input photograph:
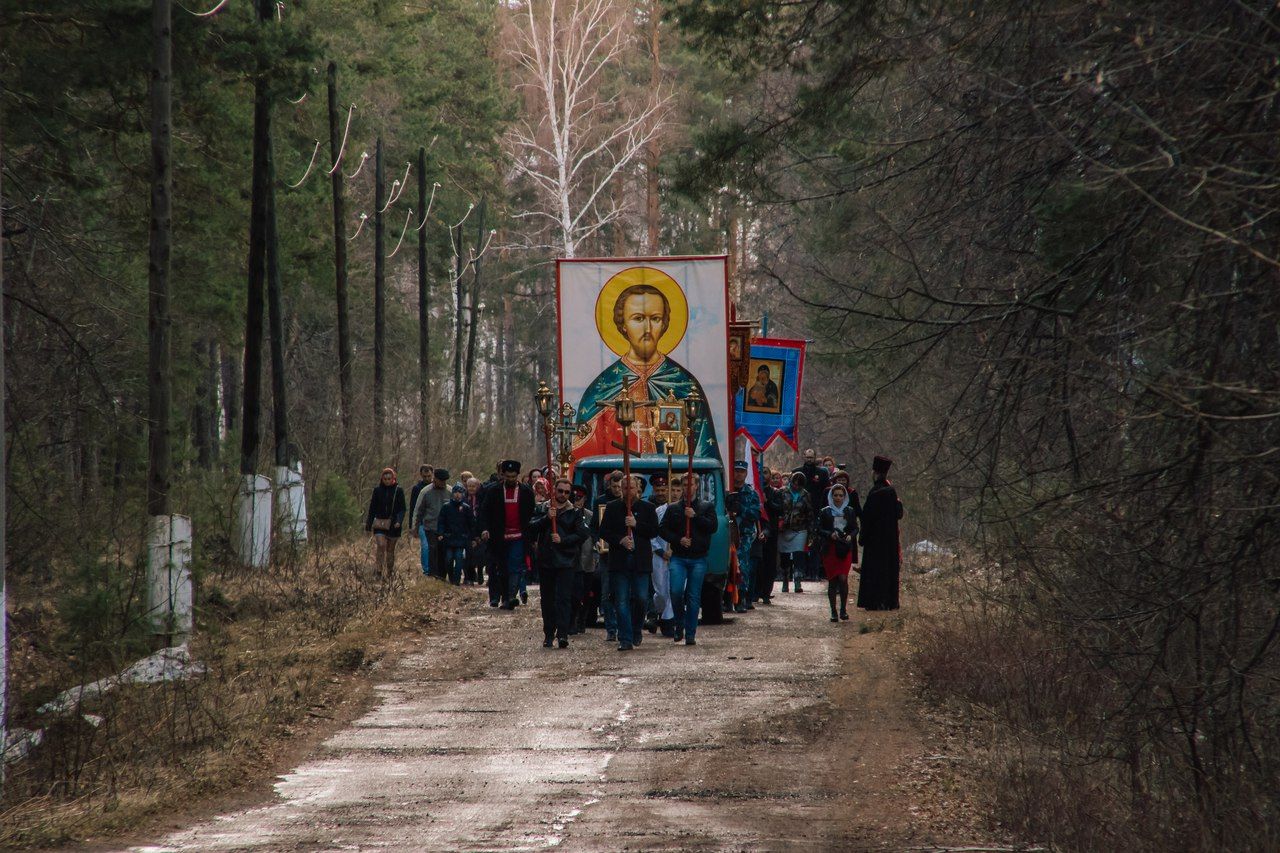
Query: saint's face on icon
(642, 315)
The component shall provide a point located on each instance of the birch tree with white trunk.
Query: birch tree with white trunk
(580, 131)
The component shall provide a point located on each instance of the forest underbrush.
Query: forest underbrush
(286, 651)
(1051, 769)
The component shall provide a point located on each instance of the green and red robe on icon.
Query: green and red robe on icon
(653, 383)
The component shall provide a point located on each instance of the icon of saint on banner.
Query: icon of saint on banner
(641, 315)
(762, 394)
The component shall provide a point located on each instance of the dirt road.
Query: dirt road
(781, 731)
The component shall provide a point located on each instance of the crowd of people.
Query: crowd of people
(639, 558)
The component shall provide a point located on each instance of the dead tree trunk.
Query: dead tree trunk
(213, 376)
(340, 262)
(473, 312)
(158, 322)
(230, 392)
(510, 352)
(202, 435)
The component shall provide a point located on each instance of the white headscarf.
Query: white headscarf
(837, 510)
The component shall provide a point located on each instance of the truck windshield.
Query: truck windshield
(708, 483)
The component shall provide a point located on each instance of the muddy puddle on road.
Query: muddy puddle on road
(483, 740)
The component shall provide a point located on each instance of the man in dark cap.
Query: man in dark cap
(426, 514)
(559, 529)
(881, 555)
(505, 512)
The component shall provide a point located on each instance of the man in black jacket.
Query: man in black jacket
(506, 509)
(559, 529)
(629, 525)
(687, 526)
(608, 612)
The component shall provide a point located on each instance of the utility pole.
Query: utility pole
(169, 536)
(275, 312)
(340, 263)
(253, 510)
(424, 314)
(252, 394)
(4, 479)
(379, 296)
(158, 261)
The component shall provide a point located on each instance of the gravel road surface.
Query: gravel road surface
(484, 740)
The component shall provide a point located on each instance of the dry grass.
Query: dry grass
(1029, 719)
(285, 650)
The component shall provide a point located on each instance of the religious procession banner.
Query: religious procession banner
(658, 326)
(769, 407)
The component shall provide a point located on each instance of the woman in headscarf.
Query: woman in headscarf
(385, 521)
(842, 477)
(797, 518)
(837, 545)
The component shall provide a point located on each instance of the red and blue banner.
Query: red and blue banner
(769, 407)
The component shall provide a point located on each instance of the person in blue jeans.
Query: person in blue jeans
(425, 516)
(506, 509)
(629, 525)
(424, 536)
(688, 525)
(453, 528)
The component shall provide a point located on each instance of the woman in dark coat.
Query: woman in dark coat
(881, 555)
(775, 508)
(837, 546)
(793, 535)
(385, 520)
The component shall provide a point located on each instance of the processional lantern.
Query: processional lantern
(693, 411)
(543, 398)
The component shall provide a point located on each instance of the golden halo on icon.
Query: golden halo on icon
(632, 277)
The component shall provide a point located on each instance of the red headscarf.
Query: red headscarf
(392, 472)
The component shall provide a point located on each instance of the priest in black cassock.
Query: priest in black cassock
(881, 554)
